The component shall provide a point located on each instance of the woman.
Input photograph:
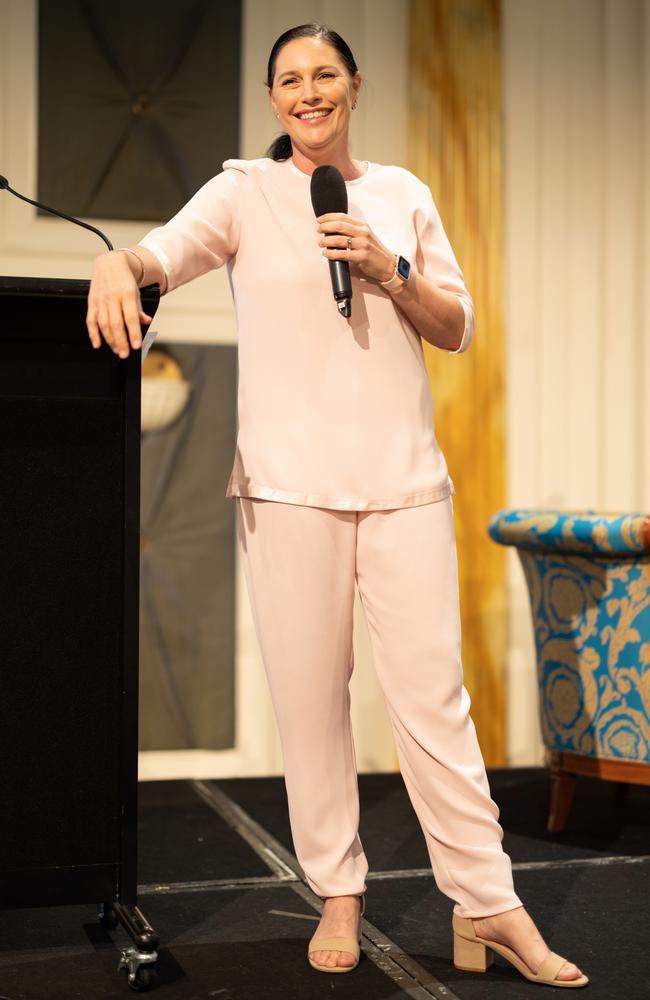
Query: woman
(339, 478)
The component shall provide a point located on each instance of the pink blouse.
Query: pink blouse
(332, 412)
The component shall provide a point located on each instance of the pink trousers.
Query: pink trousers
(301, 566)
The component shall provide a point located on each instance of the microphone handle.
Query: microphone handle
(4, 186)
(341, 286)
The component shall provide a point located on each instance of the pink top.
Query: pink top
(333, 412)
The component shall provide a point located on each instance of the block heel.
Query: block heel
(476, 954)
(471, 956)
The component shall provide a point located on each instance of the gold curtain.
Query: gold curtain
(454, 146)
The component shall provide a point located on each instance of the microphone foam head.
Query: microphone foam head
(328, 191)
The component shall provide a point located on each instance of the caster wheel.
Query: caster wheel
(108, 917)
(141, 979)
(139, 967)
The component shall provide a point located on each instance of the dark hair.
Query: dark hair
(280, 148)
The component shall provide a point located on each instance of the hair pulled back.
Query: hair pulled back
(281, 148)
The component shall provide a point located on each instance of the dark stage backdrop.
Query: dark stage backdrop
(138, 103)
(187, 565)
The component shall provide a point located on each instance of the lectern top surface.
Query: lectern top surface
(69, 287)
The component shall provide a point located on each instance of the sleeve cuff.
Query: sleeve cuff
(468, 332)
(162, 259)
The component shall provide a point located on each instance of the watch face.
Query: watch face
(403, 268)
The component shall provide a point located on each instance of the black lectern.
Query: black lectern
(69, 603)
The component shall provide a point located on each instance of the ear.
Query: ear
(357, 80)
(272, 103)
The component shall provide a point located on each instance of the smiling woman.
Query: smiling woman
(328, 79)
(340, 482)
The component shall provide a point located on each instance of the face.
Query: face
(313, 93)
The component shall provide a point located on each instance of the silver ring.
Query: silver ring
(349, 243)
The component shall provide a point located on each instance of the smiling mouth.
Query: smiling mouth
(313, 116)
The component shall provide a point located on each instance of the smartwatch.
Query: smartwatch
(401, 275)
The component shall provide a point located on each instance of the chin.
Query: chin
(315, 143)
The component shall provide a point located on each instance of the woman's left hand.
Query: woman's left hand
(365, 249)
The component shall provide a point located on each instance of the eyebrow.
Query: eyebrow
(295, 72)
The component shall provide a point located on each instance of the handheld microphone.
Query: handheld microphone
(4, 186)
(329, 194)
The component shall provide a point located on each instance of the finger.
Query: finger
(335, 254)
(132, 320)
(93, 330)
(336, 241)
(102, 321)
(339, 227)
(143, 317)
(118, 333)
(339, 217)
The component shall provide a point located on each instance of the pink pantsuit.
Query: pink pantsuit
(340, 482)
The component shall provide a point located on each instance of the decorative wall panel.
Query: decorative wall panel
(138, 103)
(455, 147)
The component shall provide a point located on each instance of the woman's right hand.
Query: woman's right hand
(114, 305)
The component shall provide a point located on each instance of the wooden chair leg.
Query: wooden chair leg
(563, 786)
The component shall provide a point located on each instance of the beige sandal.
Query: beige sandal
(338, 944)
(475, 954)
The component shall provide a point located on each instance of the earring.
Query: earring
(277, 115)
(354, 106)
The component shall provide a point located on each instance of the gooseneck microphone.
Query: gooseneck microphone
(4, 186)
(329, 194)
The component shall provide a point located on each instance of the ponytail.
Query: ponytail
(280, 148)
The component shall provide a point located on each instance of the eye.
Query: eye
(290, 79)
(326, 74)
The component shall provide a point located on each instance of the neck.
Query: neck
(308, 160)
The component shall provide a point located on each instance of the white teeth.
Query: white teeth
(313, 114)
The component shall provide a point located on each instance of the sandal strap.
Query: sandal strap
(550, 966)
(335, 944)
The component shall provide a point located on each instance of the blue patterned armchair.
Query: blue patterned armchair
(588, 579)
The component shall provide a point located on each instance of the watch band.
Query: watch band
(397, 279)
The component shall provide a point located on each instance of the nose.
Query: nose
(309, 93)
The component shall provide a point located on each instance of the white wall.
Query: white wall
(577, 145)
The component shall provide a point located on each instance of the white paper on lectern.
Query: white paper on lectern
(149, 338)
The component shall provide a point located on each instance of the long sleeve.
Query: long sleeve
(437, 262)
(204, 234)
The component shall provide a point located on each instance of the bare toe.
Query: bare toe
(332, 958)
(569, 971)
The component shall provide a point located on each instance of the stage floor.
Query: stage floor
(221, 886)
